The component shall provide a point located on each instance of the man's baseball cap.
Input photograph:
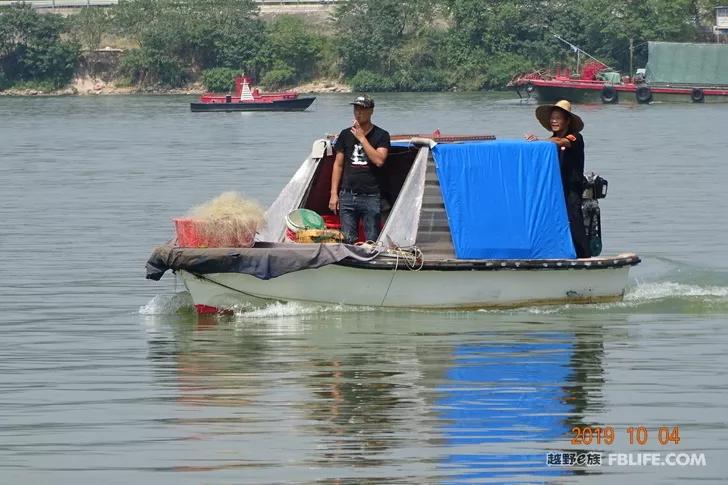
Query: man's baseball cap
(364, 101)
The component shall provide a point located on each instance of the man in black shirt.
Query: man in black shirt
(355, 193)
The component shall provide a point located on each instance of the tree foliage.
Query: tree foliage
(294, 45)
(370, 33)
(219, 79)
(89, 25)
(174, 35)
(376, 45)
(32, 50)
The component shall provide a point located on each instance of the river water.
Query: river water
(106, 377)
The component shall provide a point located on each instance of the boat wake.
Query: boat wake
(168, 304)
(182, 303)
(294, 309)
(676, 297)
(653, 297)
(646, 292)
(664, 286)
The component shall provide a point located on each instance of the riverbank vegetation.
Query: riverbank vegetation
(372, 45)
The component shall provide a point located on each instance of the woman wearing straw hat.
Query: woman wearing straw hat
(565, 128)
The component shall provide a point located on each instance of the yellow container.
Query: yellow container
(319, 236)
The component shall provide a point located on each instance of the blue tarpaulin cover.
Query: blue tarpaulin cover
(504, 200)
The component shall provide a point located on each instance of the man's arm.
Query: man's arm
(376, 155)
(335, 181)
(561, 142)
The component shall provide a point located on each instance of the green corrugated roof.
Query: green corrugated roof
(683, 63)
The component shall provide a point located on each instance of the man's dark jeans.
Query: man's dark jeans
(352, 208)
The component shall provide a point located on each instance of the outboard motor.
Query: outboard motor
(595, 188)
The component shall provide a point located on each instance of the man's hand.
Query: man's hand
(531, 137)
(357, 131)
(334, 203)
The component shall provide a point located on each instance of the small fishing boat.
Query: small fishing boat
(675, 72)
(473, 223)
(246, 99)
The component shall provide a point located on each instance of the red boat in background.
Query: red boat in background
(594, 83)
(676, 72)
(246, 99)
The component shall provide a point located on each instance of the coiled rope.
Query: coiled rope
(411, 256)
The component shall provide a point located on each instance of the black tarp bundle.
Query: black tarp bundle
(264, 260)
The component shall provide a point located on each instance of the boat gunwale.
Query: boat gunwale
(393, 262)
(389, 263)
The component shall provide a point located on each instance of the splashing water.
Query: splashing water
(167, 304)
(182, 302)
(660, 296)
(668, 289)
(296, 309)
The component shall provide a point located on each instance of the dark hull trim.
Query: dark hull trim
(298, 104)
(497, 265)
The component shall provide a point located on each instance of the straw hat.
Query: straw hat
(543, 115)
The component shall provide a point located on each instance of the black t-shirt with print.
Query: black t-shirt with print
(360, 174)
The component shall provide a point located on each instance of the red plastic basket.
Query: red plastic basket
(192, 233)
(332, 221)
(188, 235)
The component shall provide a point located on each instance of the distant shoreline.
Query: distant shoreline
(87, 86)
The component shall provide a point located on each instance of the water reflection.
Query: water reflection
(355, 404)
(506, 404)
(208, 365)
(354, 397)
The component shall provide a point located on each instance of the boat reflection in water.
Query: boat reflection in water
(508, 405)
(377, 396)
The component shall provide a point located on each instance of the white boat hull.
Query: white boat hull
(403, 288)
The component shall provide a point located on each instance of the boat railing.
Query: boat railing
(527, 75)
(428, 139)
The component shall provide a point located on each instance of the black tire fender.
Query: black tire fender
(609, 95)
(697, 95)
(643, 94)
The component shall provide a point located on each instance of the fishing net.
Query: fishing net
(229, 220)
